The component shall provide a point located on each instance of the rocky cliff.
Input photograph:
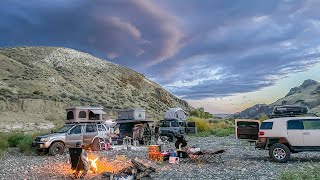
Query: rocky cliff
(308, 94)
(38, 83)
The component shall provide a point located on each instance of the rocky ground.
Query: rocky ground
(240, 161)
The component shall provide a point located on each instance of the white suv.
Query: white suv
(283, 136)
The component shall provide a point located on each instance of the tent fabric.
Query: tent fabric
(176, 113)
(95, 111)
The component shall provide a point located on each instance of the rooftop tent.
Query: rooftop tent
(84, 114)
(176, 113)
(97, 111)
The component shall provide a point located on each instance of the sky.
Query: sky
(222, 55)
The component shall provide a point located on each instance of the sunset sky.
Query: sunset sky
(223, 55)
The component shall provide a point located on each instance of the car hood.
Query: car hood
(52, 135)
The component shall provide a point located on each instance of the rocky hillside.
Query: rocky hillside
(307, 94)
(38, 83)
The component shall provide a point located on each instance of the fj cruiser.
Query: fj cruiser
(283, 135)
(83, 124)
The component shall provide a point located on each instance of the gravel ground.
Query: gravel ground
(240, 161)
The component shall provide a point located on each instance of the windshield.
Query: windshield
(65, 129)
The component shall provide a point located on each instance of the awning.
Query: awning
(95, 111)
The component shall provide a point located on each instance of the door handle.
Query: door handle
(306, 133)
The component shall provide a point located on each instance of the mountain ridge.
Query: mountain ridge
(37, 83)
(308, 94)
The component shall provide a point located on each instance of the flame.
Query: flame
(93, 165)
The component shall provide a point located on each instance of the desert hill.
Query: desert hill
(38, 83)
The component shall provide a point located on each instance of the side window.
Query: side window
(266, 125)
(82, 114)
(311, 124)
(70, 115)
(101, 127)
(91, 128)
(294, 125)
(174, 124)
(76, 130)
(166, 124)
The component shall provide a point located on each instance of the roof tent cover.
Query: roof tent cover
(97, 111)
(176, 113)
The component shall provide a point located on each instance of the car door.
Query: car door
(247, 129)
(90, 133)
(311, 132)
(295, 130)
(103, 130)
(74, 135)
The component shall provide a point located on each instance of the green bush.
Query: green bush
(218, 128)
(4, 144)
(14, 139)
(25, 145)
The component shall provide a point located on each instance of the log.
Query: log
(138, 165)
(143, 174)
(127, 170)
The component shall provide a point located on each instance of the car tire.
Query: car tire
(95, 145)
(279, 153)
(56, 148)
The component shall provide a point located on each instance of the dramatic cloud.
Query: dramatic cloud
(196, 49)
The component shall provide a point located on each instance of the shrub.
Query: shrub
(201, 124)
(4, 144)
(219, 128)
(25, 145)
(37, 92)
(14, 139)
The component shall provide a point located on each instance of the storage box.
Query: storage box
(173, 160)
(153, 148)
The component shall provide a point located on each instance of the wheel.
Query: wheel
(279, 153)
(56, 148)
(95, 145)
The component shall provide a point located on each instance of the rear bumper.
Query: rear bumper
(41, 145)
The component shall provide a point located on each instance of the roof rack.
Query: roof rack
(81, 122)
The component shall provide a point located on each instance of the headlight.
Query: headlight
(44, 139)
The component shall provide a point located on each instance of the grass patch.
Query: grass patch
(309, 172)
(220, 128)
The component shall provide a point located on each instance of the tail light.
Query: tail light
(261, 133)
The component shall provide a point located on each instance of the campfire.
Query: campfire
(120, 167)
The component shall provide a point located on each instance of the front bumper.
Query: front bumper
(41, 145)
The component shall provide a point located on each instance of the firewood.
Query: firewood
(152, 169)
(143, 174)
(139, 165)
(127, 170)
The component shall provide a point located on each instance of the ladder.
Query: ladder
(102, 144)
